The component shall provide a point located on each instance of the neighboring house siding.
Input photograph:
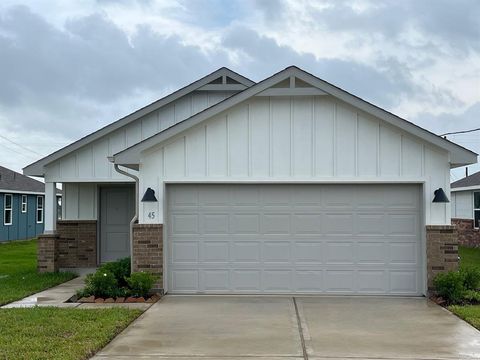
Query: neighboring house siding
(90, 163)
(462, 204)
(24, 225)
(298, 138)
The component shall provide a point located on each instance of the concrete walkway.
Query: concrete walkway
(57, 295)
(315, 328)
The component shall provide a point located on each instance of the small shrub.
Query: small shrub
(450, 286)
(102, 283)
(471, 278)
(140, 283)
(120, 269)
(472, 296)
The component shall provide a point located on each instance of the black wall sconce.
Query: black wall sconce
(149, 196)
(439, 196)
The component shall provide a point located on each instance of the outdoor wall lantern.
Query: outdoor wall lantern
(149, 196)
(439, 196)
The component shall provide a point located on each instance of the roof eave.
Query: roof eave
(38, 168)
(459, 155)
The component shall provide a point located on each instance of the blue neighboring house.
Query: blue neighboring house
(21, 206)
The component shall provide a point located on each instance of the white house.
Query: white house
(289, 185)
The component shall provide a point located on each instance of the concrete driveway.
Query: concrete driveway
(267, 328)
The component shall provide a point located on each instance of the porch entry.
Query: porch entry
(117, 205)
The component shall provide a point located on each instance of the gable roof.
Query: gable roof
(239, 82)
(12, 181)
(459, 155)
(471, 181)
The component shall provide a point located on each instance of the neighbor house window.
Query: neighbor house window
(476, 209)
(24, 203)
(7, 210)
(39, 209)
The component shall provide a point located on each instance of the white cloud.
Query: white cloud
(68, 68)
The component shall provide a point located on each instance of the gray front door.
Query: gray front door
(117, 210)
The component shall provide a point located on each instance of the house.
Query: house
(466, 209)
(288, 185)
(21, 206)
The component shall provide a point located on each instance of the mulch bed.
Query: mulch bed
(120, 300)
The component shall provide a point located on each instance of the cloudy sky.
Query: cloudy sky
(68, 68)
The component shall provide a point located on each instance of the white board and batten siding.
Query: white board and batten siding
(288, 139)
(90, 163)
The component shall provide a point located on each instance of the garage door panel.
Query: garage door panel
(215, 251)
(339, 281)
(246, 280)
(307, 223)
(308, 281)
(403, 281)
(276, 252)
(274, 223)
(215, 223)
(402, 224)
(246, 251)
(403, 253)
(370, 224)
(372, 281)
(308, 252)
(338, 224)
(185, 251)
(339, 252)
(184, 224)
(371, 252)
(277, 280)
(332, 239)
(245, 223)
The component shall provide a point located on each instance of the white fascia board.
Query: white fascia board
(6, 191)
(466, 188)
(459, 155)
(37, 168)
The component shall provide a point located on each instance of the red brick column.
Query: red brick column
(47, 253)
(148, 250)
(442, 251)
(467, 234)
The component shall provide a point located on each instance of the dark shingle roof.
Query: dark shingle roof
(471, 180)
(14, 181)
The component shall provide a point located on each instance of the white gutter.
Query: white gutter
(135, 216)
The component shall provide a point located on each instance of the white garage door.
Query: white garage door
(334, 239)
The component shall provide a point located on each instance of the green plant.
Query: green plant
(471, 278)
(450, 286)
(472, 296)
(120, 269)
(102, 283)
(140, 283)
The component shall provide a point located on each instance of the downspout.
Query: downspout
(135, 216)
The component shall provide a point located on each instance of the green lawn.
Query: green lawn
(470, 313)
(18, 272)
(59, 333)
(469, 257)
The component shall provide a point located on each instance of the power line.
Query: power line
(20, 145)
(461, 132)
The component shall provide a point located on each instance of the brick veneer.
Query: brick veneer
(47, 254)
(74, 245)
(467, 235)
(77, 243)
(148, 250)
(442, 251)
